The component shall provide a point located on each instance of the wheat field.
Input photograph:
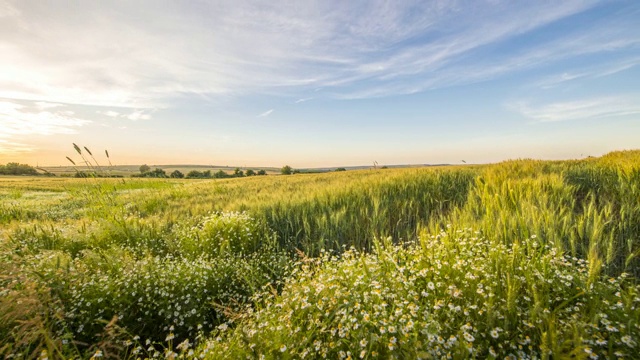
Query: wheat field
(522, 259)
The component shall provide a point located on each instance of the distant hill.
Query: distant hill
(127, 170)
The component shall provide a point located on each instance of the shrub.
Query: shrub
(286, 170)
(177, 174)
(194, 174)
(221, 175)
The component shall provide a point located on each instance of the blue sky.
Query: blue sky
(318, 83)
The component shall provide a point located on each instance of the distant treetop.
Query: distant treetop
(14, 168)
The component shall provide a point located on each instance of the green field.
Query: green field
(522, 259)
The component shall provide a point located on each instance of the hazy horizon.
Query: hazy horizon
(319, 83)
(103, 161)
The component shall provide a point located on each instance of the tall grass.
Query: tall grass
(584, 208)
(352, 214)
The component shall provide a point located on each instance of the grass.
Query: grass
(528, 259)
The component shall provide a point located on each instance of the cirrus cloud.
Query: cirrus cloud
(266, 113)
(592, 108)
(102, 54)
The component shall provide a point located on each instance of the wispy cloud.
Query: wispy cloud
(266, 113)
(135, 115)
(590, 42)
(354, 49)
(601, 107)
(303, 100)
(591, 72)
(138, 115)
(22, 120)
(109, 113)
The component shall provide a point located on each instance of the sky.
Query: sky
(318, 83)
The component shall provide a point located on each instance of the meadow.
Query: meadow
(524, 259)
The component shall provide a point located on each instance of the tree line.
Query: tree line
(145, 171)
(14, 168)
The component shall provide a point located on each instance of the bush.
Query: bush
(286, 170)
(221, 175)
(177, 174)
(194, 174)
(157, 173)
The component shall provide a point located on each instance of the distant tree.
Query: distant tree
(286, 170)
(194, 174)
(157, 173)
(295, 171)
(384, 167)
(341, 169)
(221, 175)
(14, 168)
(250, 172)
(177, 174)
(238, 173)
(262, 172)
(206, 174)
(144, 169)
